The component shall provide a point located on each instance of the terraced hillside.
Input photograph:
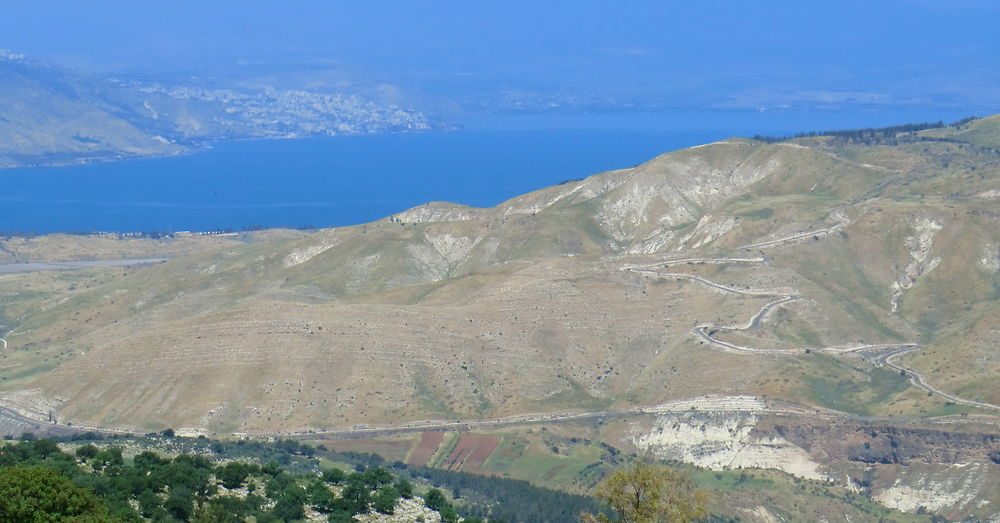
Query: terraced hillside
(841, 279)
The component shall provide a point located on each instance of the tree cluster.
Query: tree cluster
(890, 135)
(39, 482)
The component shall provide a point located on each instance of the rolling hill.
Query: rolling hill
(820, 277)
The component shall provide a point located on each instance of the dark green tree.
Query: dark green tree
(333, 476)
(223, 509)
(404, 487)
(108, 456)
(448, 514)
(87, 451)
(321, 497)
(385, 500)
(31, 493)
(150, 504)
(355, 498)
(180, 503)
(377, 476)
(435, 500)
(146, 461)
(287, 510)
(233, 474)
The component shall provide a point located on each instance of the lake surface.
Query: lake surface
(323, 182)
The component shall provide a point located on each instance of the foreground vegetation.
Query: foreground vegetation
(645, 493)
(168, 479)
(40, 482)
(201, 480)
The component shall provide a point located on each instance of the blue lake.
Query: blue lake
(345, 180)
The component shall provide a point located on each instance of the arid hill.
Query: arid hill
(572, 297)
(826, 279)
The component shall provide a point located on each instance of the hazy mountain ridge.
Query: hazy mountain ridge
(50, 115)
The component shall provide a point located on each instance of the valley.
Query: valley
(739, 304)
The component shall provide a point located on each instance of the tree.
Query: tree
(223, 509)
(320, 497)
(448, 514)
(42, 494)
(435, 499)
(87, 451)
(232, 474)
(404, 487)
(377, 476)
(108, 456)
(385, 500)
(355, 498)
(150, 504)
(145, 461)
(333, 476)
(180, 503)
(644, 493)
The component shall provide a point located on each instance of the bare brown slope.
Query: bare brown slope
(446, 312)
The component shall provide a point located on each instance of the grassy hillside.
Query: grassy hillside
(525, 308)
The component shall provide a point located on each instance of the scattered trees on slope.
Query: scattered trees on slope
(869, 135)
(39, 482)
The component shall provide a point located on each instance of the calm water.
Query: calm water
(343, 180)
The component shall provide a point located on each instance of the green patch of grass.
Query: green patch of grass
(798, 333)
(540, 466)
(759, 214)
(428, 401)
(503, 457)
(574, 396)
(950, 409)
(731, 480)
(838, 387)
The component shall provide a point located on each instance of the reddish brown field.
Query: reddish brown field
(429, 442)
(471, 452)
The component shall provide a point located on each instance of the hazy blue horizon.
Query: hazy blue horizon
(715, 54)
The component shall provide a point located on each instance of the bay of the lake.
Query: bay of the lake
(320, 182)
(315, 182)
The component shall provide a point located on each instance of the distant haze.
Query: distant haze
(566, 56)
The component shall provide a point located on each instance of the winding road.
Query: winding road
(16, 423)
(884, 354)
(842, 221)
(918, 379)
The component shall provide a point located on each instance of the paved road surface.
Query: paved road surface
(19, 268)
